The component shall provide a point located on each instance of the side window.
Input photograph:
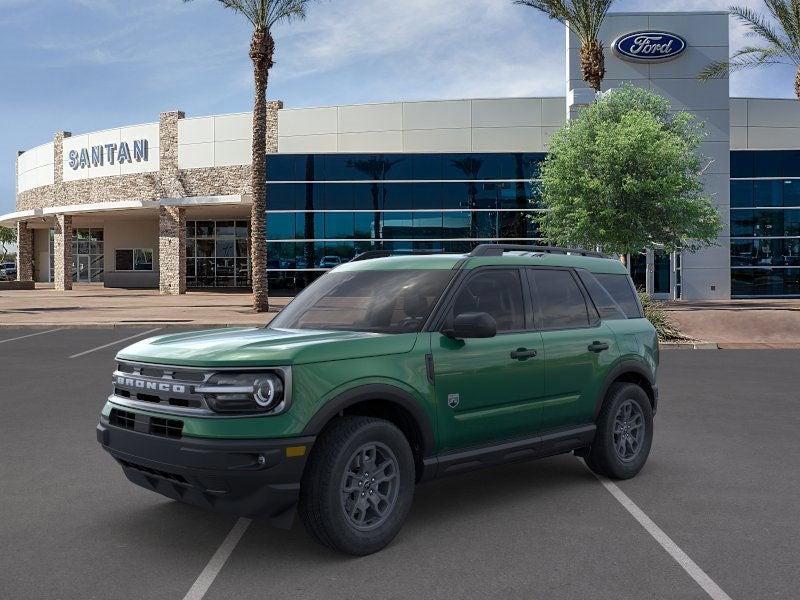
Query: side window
(494, 291)
(558, 300)
(619, 286)
(605, 304)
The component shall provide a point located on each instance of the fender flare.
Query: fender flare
(374, 391)
(621, 368)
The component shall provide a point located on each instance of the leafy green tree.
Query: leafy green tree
(584, 18)
(263, 15)
(8, 236)
(778, 37)
(626, 175)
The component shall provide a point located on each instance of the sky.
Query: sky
(86, 65)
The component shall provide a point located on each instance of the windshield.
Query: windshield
(392, 301)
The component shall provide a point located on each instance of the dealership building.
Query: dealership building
(167, 204)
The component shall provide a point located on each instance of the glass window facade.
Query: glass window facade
(326, 205)
(218, 254)
(765, 223)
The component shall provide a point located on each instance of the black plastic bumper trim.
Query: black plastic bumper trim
(250, 478)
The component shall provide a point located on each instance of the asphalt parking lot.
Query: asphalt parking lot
(722, 482)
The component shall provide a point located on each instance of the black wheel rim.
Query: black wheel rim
(629, 430)
(369, 486)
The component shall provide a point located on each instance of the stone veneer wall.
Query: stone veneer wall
(171, 250)
(24, 252)
(62, 250)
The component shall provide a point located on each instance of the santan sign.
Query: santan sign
(97, 156)
(649, 46)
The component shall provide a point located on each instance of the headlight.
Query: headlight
(244, 392)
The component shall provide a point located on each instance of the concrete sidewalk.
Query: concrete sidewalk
(740, 323)
(732, 324)
(90, 305)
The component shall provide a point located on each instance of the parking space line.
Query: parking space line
(22, 337)
(695, 572)
(214, 566)
(114, 343)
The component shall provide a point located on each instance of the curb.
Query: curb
(689, 345)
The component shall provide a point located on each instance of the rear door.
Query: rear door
(489, 389)
(579, 348)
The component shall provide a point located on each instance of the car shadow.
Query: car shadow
(449, 503)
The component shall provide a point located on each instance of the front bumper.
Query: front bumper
(248, 478)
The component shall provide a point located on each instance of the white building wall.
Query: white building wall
(215, 141)
(765, 124)
(706, 274)
(35, 167)
(480, 125)
(87, 141)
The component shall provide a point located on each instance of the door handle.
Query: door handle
(597, 346)
(522, 353)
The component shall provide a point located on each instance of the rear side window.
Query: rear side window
(619, 286)
(494, 291)
(605, 304)
(558, 302)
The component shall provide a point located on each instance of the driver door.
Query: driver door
(483, 393)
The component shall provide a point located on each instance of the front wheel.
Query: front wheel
(624, 433)
(358, 486)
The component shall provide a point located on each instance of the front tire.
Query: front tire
(358, 486)
(624, 433)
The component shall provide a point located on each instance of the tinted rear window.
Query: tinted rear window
(621, 290)
(605, 304)
(558, 300)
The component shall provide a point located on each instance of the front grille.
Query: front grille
(172, 428)
(157, 472)
(122, 418)
(165, 386)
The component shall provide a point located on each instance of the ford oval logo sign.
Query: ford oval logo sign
(649, 46)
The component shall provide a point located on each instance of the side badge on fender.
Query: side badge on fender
(453, 400)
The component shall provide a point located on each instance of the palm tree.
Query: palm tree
(262, 15)
(780, 41)
(584, 19)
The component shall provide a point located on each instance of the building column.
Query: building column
(171, 250)
(24, 252)
(168, 172)
(62, 251)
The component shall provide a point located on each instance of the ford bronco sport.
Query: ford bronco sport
(387, 372)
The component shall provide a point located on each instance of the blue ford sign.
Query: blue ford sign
(649, 46)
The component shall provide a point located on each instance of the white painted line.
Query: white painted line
(22, 337)
(695, 572)
(114, 343)
(214, 566)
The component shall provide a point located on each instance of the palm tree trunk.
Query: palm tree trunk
(797, 84)
(593, 64)
(261, 52)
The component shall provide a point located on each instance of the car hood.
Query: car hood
(259, 346)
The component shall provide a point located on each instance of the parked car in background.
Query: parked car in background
(8, 271)
(329, 262)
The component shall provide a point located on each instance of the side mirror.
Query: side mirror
(472, 325)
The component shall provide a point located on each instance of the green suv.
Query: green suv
(387, 372)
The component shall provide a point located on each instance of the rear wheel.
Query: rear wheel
(624, 433)
(358, 486)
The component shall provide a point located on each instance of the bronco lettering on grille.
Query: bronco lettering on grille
(143, 384)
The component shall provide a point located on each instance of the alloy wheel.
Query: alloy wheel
(369, 486)
(629, 430)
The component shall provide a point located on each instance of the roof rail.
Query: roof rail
(499, 249)
(369, 254)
